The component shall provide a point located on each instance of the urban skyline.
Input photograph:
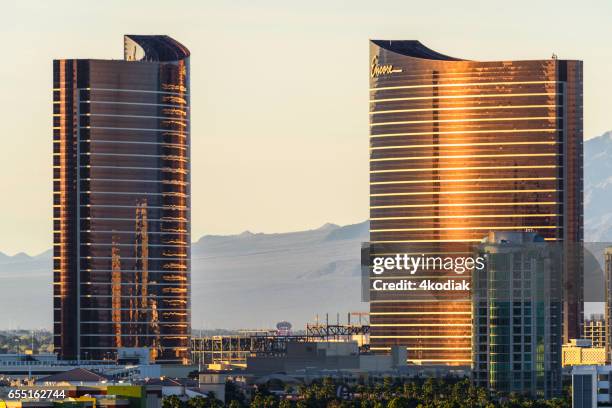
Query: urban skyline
(224, 36)
(459, 274)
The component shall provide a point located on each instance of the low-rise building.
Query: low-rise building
(591, 386)
(581, 352)
(595, 330)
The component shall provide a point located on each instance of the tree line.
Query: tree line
(390, 393)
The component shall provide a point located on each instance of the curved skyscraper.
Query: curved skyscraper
(121, 178)
(459, 149)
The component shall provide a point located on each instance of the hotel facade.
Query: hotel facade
(121, 202)
(459, 149)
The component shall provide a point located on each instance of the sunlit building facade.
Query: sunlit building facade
(582, 352)
(121, 208)
(460, 148)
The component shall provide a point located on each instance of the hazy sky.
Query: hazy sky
(279, 93)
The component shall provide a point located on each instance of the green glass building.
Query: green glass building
(518, 315)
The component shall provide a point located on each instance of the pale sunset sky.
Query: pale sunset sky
(279, 93)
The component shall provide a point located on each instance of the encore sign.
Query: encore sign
(378, 70)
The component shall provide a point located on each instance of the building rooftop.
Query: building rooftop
(156, 48)
(413, 48)
(72, 376)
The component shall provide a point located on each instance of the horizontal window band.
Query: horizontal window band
(465, 132)
(128, 322)
(135, 335)
(464, 192)
(118, 219)
(440, 349)
(440, 181)
(442, 336)
(168, 207)
(170, 132)
(177, 118)
(421, 325)
(178, 310)
(548, 143)
(130, 219)
(469, 96)
(180, 273)
(463, 108)
(131, 232)
(411, 122)
(162, 156)
(492, 228)
(163, 144)
(418, 313)
(134, 103)
(97, 284)
(167, 169)
(465, 156)
(161, 336)
(465, 204)
(138, 258)
(425, 241)
(441, 360)
(463, 168)
(438, 240)
(444, 217)
(467, 302)
(134, 90)
(468, 74)
(110, 244)
(169, 182)
(169, 194)
(387, 88)
(139, 297)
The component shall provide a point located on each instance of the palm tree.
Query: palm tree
(172, 401)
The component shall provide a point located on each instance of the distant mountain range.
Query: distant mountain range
(238, 281)
(598, 188)
(254, 280)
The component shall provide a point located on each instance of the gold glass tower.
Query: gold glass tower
(121, 209)
(458, 149)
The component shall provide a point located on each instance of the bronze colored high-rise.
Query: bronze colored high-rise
(121, 202)
(459, 148)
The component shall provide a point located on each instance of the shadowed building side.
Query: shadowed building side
(122, 202)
